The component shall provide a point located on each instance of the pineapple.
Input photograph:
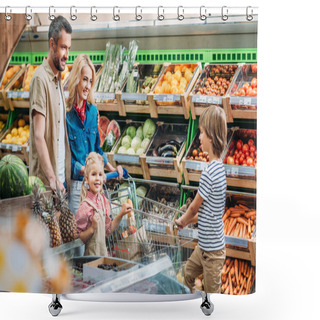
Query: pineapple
(54, 229)
(37, 208)
(67, 221)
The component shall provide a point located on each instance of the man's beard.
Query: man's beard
(56, 62)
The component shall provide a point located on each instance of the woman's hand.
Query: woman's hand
(120, 171)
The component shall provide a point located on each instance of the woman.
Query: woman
(82, 125)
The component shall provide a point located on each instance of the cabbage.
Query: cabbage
(131, 151)
(126, 139)
(131, 131)
(115, 209)
(122, 150)
(149, 129)
(123, 194)
(145, 143)
(126, 145)
(139, 133)
(135, 143)
(141, 191)
(140, 151)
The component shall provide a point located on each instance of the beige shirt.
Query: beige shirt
(44, 98)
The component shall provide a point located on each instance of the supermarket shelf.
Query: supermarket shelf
(242, 183)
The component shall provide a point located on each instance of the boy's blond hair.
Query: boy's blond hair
(93, 158)
(213, 123)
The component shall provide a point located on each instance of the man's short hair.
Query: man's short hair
(56, 26)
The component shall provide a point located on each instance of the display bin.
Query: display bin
(20, 98)
(145, 76)
(175, 135)
(205, 92)
(166, 99)
(19, 150)
(242, 176)
(14, 83)
(135, 164)
(192, 168)
(243, 106)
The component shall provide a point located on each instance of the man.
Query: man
(49, 148)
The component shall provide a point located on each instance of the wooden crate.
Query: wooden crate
(198, 103)
(21, 151)
(173, 103)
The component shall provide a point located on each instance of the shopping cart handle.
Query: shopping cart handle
(115, 174)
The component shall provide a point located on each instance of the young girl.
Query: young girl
(93, 221)
(207, 208)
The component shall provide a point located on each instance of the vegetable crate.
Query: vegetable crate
(20, 150)
(195, 161)
(12, 80)
(240, 159)
(19, 98)
(170, 95)
(213, 87)
(133, 162)
(165, 152)
(139, 84)
(242, 98)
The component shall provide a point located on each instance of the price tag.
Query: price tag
(105, 95)
(234, 170)
(15, 148)
(167, 97)
(133, 96)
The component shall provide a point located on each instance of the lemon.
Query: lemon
(14, 132)
(26, 127)
(20, 130)
(21, 123)
(23, 140)
(8, 136)
(14, 140)
(4, 141)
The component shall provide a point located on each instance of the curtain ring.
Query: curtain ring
(249, 16)
(224, 17)
(138, 16)
(51, 16)
(203, 16)
(7, 16)
(93, 17)
(116, 17)
(160, 16)
(73, 17)
(180, 15)
(28, 15)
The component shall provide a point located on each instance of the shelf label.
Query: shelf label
(234, 241)
(244, 101)
(133, 96)
(126, 158)
(206, 99)
(18, 94)
(167, 97)
(196, 165)
(105, 95)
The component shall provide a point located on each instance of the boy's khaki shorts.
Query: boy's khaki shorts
(209, 263)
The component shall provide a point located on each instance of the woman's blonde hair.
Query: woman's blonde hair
(81, 61)
(93, 158)
(213, 122)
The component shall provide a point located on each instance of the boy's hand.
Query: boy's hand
(125, 209)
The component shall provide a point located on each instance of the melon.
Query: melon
(35, 180)
(103, 125)
(14, 180)
(114, 126)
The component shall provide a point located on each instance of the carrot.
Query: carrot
(242, 285)
(230, 283)
(226, 215)
(235, 215)
(236, 270)
(227, 290)
(248, 284)
(232, 224)
(229, 266)
(243, 207)
(251, 214)
(249, 226)
(236, 210)
(242, 220)
(237, 229)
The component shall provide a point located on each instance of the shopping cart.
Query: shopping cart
(148, 236)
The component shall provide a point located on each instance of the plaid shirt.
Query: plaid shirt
(85, 212)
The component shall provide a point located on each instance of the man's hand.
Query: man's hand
(53, 185)
(179, 223)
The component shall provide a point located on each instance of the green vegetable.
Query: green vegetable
(131, 131)
(122, 150)
(149, 129)
(33, 180)
(131, 151)
(123, 193)
(136, 143)
(139, 151)
(126, 139)
(141, 191)
(145, 143)
(109, 142)
(139, 133)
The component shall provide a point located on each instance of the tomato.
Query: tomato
(230, 160)
(247, 154)
(245, 148)
(196, 158)
(237, 162)
(195, 152)
(240, 152)
(200, 154)
(205, 154)
(244, 162)
(241, 160)
(252, 149)
(242, 92)
(254, 68)
(191, 158)
(239, 144)
(246, 86)
(252, 155)
(250, 143)
(236, 152)
(254, 82)
(249, 161)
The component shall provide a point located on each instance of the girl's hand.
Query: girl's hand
(125, 209)
(94, 222)
(180, 224)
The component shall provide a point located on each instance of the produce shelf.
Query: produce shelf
(231, 55)
(21, 58)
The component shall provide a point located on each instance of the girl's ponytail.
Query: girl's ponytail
(83, 193)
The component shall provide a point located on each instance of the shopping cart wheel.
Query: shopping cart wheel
(206, 305)
(55, 306)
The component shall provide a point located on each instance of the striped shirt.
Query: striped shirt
(212, 189)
